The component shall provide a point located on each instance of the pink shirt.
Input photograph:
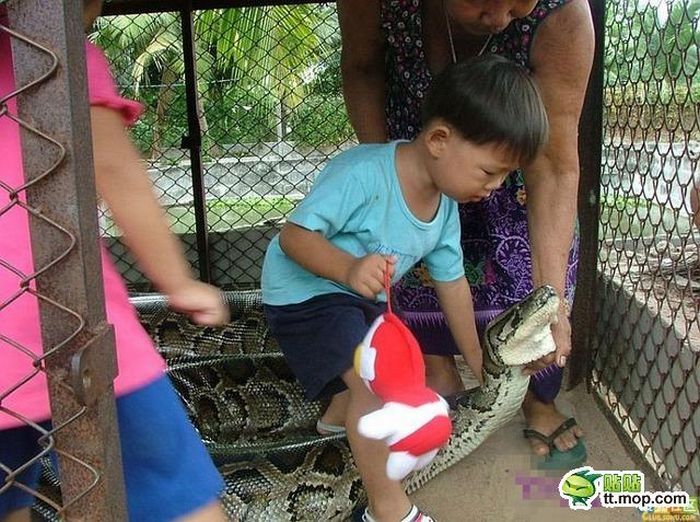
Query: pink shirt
(138, 362)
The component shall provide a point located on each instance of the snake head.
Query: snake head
(522, 333)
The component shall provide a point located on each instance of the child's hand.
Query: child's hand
(366, 275)
(201, 302)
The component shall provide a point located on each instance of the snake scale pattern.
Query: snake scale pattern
(260, 429)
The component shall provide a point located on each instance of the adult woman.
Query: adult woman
(391, 49)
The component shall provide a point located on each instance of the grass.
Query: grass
(620, 216)
(223, 214)
(634, 217)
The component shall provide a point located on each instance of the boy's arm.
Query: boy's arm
(123, 184)
(315, 253)
(456, 302)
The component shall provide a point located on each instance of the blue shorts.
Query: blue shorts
(167, 470)
(318, 337)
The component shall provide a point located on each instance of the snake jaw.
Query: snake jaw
(521, 334)
(517, 336)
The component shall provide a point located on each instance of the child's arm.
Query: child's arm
(312, 251)
(123, 184)
(456, 302)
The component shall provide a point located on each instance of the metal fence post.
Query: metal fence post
(193, 142)
(590, 153)
(78, 343)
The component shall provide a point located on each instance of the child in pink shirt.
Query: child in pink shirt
(168, 473)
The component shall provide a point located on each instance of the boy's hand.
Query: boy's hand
(203, 303)
(366, 275)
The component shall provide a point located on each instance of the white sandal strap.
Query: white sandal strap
(414, 515)
(326, 428)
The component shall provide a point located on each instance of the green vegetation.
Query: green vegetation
(224, 214)
(272, 73)
(632, 217)
(264, 74)
(652, 78)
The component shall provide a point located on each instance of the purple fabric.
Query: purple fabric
(495, 240)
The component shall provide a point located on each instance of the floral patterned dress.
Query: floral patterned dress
(495, 236)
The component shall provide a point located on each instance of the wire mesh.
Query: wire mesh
(271, 113)
(252, 415)
(646, 369)
(270, 110)
(52, 273)
(145, 52)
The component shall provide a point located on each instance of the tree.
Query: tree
(268, 51)
(643, 45)
(651, 67)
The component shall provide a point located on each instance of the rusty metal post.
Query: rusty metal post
(590, 153)
(79, 343)
(193, 143)
(117, 7)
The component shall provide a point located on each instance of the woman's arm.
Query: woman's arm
(456, 303)
(362, 68)
(123, 184)
(562, 56)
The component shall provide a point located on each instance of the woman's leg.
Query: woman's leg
(541, 413)
(546, 383)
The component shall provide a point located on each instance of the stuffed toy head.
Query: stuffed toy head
(414, 420)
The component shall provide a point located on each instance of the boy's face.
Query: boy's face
(467, 172)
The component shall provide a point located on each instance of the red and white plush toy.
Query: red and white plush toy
(414, 420)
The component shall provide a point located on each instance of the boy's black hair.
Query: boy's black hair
(490, 99)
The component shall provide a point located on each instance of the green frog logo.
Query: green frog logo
(578, 487)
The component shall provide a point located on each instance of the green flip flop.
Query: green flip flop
(557, 459)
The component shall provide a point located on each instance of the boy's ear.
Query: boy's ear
(437, 135)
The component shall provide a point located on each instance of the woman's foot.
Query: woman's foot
(545, 418)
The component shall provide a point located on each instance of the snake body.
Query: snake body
(518, 336)
(260, 430)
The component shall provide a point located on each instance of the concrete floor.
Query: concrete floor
(489, 485)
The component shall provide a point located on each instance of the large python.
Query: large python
(253, 417)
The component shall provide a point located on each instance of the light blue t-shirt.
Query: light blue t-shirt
(356, 203)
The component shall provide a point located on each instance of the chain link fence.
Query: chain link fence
(240, 118)
(646, 369)
(259, 117)
(54, 280)
(267, 109)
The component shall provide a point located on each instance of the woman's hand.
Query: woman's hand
(561, 332)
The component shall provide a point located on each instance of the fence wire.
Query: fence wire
(646, 369)
(91, 488)
(270, 110)
(271, 113)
